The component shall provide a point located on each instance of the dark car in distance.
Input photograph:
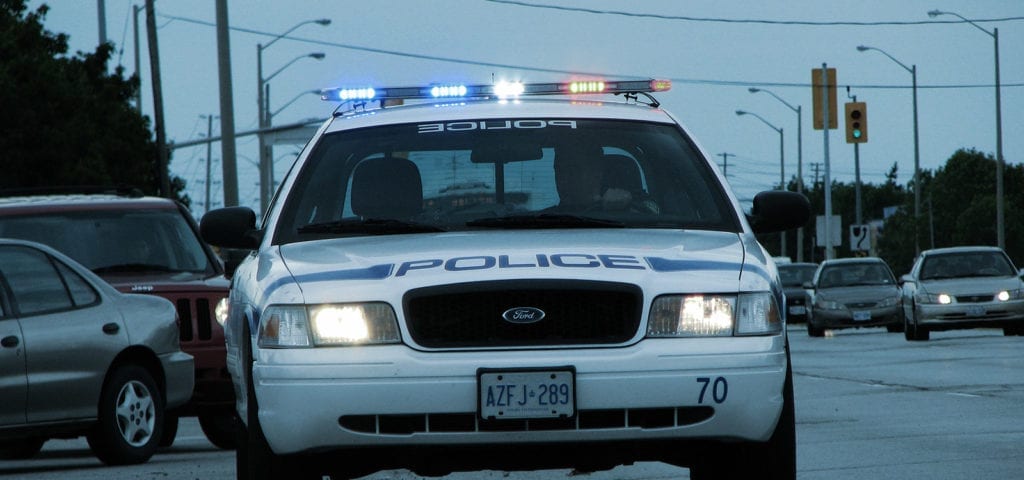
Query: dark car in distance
(142, 245)
(794, 276)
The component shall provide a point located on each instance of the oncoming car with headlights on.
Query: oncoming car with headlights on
(509, 276)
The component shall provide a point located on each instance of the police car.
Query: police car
(508, 276)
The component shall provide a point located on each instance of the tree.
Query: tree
(67, 122)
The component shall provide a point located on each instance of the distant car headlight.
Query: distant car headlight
(328, 325)
(889, 302)
(826, 304)
(220, 312)
(713, 315)
(934, 298)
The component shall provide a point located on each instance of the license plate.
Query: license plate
(975, 311)
(862, 316)
(526, 394)
(797, 310)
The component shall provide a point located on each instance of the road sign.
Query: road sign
(835, 230)
(860, 238)
(833, 112)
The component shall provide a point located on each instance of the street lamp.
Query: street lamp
(782, 164)
(917, 152)
(1000, 230)
(262, 102)
(799, 162)
(270, 116)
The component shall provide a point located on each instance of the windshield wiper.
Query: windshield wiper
(545, 220)
(370, 225)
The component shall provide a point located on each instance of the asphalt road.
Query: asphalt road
(869, 405)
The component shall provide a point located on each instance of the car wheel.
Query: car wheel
(914, 332)
(774, 459)
(21, 449)
(1012, 331)
(254, 459)
(131, 416)
(815, 331)
(170, 430)
(220, 428)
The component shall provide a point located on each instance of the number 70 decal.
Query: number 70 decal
(719, 389)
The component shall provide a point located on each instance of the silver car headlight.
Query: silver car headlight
(889, 302)
(934, 298)
(328, 325)
(1007, 295)
(713, 315)
(826, 304)
(220, 312)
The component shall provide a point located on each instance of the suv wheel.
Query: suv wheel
(21, 449)
(220, 428)
(131, 416)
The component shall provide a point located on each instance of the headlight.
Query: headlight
(713, 315)
(934, 298)
(824, 304)
(220, 312)
(328, 325)
(1007, 295)
(889, 302)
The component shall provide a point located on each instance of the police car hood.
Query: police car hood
(660, 261)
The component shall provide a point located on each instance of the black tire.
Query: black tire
(771, 460)
(913, 332)
(220, 428)
(22, 449)
(1013, 331)
(815, 331)
(131, 418)
(254, 459)
(170, 430)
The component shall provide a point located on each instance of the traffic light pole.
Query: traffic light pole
(829, 250)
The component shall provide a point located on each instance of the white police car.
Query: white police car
(489, 280)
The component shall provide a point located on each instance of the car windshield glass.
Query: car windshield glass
(967, 264)
(793, 275)
(491, 174)
(856, 274)
(137, 241)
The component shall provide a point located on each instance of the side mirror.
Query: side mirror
(905, 279)
(778, 210)
(231, 227)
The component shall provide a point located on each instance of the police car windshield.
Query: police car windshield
(505, 173)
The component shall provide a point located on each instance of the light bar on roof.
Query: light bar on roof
(500, 90)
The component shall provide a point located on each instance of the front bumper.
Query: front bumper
(303, 394)
(846, 318)
(180, 376)
(970, 315)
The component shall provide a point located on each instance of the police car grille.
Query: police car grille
(575, 313)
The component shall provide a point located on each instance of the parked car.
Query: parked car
(77, 357)
(794, 277)
(143, 245)
(854, 293)
(962, 287)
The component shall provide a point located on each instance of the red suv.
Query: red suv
(146, 245)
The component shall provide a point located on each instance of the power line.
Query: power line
(745, 21)
(680, 80)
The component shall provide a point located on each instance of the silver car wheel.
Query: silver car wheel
(136, 413)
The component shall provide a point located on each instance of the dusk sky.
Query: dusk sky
(712, 50)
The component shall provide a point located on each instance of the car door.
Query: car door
(70, 335)
(13, 383)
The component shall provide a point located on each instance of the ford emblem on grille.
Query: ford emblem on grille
(523, 315)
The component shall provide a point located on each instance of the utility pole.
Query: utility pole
(135, 29)
(209, 147)
(101, 12)
(158, 103)
(725, 163)
(227, 108)
(816, 166)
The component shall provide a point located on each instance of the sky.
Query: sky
(712, 50)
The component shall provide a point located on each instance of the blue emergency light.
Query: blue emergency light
(501, 90)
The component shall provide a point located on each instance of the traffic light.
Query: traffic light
(856, 122)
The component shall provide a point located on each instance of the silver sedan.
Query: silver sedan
(962, 287)
(77, 357)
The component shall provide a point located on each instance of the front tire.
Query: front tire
(131, 417)
(220, 428)
(815, 331)
(772, 460)
(914, 332)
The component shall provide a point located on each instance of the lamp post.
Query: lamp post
(261, 103)
(799, 161)
(782, 165)
(917, 150)
(1000, 229)
(270, 117)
